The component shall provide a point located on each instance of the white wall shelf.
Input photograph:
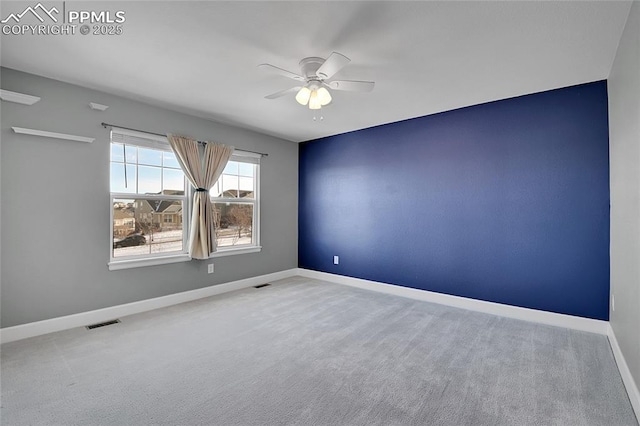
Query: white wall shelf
(52, 135)
(20, 98)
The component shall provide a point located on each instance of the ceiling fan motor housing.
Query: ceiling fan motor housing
(309, 67)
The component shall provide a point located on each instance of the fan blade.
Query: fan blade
(351, 85)
(271, 68)
(283, 92)
(334, 63)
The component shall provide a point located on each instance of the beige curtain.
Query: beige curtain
(202, 166)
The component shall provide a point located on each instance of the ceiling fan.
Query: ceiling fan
(315, 76)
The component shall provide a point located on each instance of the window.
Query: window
(235, 198)
(149, 201)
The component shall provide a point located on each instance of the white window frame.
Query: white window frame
(147, 140)
(244, 157)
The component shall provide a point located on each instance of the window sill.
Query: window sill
(139, 263)
(152, 261)
(232, 251)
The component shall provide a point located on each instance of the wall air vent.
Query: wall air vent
(102, 324)
(261, 285)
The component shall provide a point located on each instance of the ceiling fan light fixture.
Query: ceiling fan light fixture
(314, 100)
(303, 95)
(324, 96)
(315, 73)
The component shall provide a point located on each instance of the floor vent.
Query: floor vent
(102, 324)
(261, 285)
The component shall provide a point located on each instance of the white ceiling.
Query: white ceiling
(425, 57)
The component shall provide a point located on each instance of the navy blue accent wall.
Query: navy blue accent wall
(506, 202)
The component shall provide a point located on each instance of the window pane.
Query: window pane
(245, 184)
(117, 154)
(173, 182)
(132, 153)
(230, 186)
(215, 190)
(231, 168)
(150, 157)
(118, 150)
(234, 224)
(118, 179)
(245, 169)
(142, 227)
(149, 180)
(170, 160)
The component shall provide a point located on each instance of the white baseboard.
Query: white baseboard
(24, 331)
(627, 378)
(18, 332)
(532, 315)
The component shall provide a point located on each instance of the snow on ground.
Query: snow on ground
(169, 241)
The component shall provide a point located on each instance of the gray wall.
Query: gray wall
(55, 204)
(624, 128)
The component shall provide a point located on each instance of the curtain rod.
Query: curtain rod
(105, 125)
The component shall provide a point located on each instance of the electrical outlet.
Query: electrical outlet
(613, 303)
(210, 268)
(336, 260)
